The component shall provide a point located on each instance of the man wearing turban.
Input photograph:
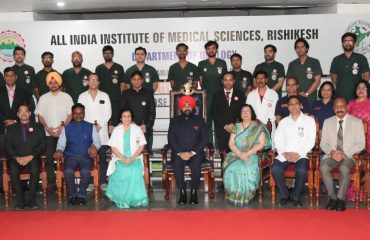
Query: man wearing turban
(53, 111)
(187, 137)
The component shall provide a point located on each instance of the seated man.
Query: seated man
(79, 140)
(294, 138)
(24, 143)
(342, 136)
(187, 136)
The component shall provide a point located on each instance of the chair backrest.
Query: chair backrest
(198, 95)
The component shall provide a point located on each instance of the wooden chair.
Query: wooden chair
(361, 164)
(24, 175)
(207, 167)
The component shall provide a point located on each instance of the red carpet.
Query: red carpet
(176, 225)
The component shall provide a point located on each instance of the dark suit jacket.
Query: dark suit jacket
(187, 134)
(34, 145)
(224, 114)
(20, 96)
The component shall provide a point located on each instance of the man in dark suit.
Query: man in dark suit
(227, 104)
(24, 144)
(187, 137)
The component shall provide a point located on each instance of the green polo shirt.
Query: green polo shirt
(76, 83)
(150, 75)
(349, 72)
(211, 78)
(25, 77)
(305, 74)
(243, 79)
(180, 76)
(2, 81)
(274, 70)
(40, 82)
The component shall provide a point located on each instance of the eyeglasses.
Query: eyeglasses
(348, 41)
(23, 111)
(361, 88)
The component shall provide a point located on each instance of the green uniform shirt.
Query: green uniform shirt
(349, 72)
(274, 70)
(110, 82)
(180, 76)
(243, 79)
(40, 82)
(305, 74)
(25, 77)
(76, 83)
(150, 75)
(211, 78)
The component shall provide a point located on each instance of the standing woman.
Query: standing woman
(360, 106)
(126, 187)
(323, 108)
(241, 173)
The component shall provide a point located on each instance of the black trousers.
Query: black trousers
(34, 169)
(195, 167)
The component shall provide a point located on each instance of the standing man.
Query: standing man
(149, 73)
(187, 137)
(306, 70)
(243, 79)
(227, 104)
(211, 70)
(111, 76)
(348, 68)
(41, 87)
(76, 77)
(275, 70)
(98, 111)
(24, 144)
(183, 71)
(53, 111)
(342, 136)
(141, 102)
(294, 138)
(25, 73)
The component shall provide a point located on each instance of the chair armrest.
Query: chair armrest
(5, 166)
(210, 152)
(164, 152)
(60, 162)
(271, 155)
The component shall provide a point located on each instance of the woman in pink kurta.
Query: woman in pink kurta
(360, 106)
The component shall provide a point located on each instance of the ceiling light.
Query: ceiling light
(60, 4)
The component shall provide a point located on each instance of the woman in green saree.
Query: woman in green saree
(241, 173)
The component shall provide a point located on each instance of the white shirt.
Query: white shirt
(230, 94)
(99, 109)
(11, 93)
(266, 109)
(54, 108)
(295, 136)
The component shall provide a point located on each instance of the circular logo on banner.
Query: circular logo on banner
(8, 41)
(362, 30)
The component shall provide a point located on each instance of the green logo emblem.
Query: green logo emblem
(8, 41)
(362, 30)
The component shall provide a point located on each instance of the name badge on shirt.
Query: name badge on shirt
(101, 101)
(301, 131)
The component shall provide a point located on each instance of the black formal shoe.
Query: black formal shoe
(183, 197)
(34, 205)
(332, 204)
(193, 197)
(81, 201)
(19, 207)
(341, 205)
(297, 203)
(72, 201)
(283, 202)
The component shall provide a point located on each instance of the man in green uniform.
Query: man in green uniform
(47, 59)
(211, 72)
(306, 70)
(275, 70)
(243, 79)
(348, 68)
(76, 78)
(183, 71)
(25, 73)
(111, 75)
(149, 73)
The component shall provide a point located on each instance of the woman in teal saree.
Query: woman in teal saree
(241, 173)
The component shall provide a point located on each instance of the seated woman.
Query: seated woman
(323, 108)
(126, 187)
(360, 106)
(241, 172)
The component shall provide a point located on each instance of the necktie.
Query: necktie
(340, 136)
(227, 95)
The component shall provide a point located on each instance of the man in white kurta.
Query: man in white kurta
(98, 111)
(53, 111)
(294, 138)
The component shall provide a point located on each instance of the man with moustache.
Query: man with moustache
(243, 79)
(211, 70)
(348, 68)
(111, 76)
(76, 77)
(183, 71)
(275, 70)
(187, 137)
(342, 136)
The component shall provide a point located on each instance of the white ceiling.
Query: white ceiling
(49, 6)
